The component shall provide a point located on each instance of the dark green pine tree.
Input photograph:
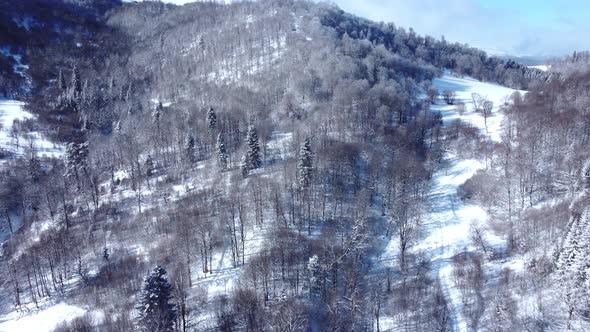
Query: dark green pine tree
(244, 165)
(211, 118)
(76, 159)
(189, 147)
(156, 311)
(76, 81)
(305, 164)
(253, 154)
(157, 114)
(586, 174)
(149, 165)
(61, 81)
(221, 153)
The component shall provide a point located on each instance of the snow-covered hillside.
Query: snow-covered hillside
(19, 67)
(451, 219)
(447, 225)
(11, 111)
(541, 67)
(14, 143)
(39, 320)
(285, 165)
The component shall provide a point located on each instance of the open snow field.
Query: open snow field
(465, 87)
(541, 67)
(448, 222)
(44, 320)
(12, 110)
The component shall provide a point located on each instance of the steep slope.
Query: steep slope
(257, 151)
(11, 115)
(452, 220)
(446, 228)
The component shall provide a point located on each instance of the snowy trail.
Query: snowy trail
(446, 225)
(449, 219)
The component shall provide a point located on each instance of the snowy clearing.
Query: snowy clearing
(448, 222)
(465, 87)
(541, 67)
(40, 321)
(450, 219)
(12, 110)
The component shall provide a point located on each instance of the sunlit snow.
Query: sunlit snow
(11, 111)
(448, 222)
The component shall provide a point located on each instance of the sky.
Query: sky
(514, 27)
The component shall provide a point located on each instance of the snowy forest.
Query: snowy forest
(282, 165)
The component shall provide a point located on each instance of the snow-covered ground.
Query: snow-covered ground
(446, 225)
(450, 219)
(40, 321)
(17, 143)
(12, 110)
(465, 87)
(541, 67)
(448, 222)
(19, 67)
(224, 275)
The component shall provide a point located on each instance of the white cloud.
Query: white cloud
(467, 21)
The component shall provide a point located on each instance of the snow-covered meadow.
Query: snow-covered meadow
(11, 111)
(42, 320)
(446, 226)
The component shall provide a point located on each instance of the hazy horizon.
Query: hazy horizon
(525, 27)
(518, 28)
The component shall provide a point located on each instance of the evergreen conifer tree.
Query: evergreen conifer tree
(211, 118)
(244, 165)
(76, 158)
(586, 174)
(76, 81)
(221, 153)
(315, 274)
(61, 81)
(190, 149)
(305, 164)
(253, 155)
(149, 165)
(158, 112)
(156, 312)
